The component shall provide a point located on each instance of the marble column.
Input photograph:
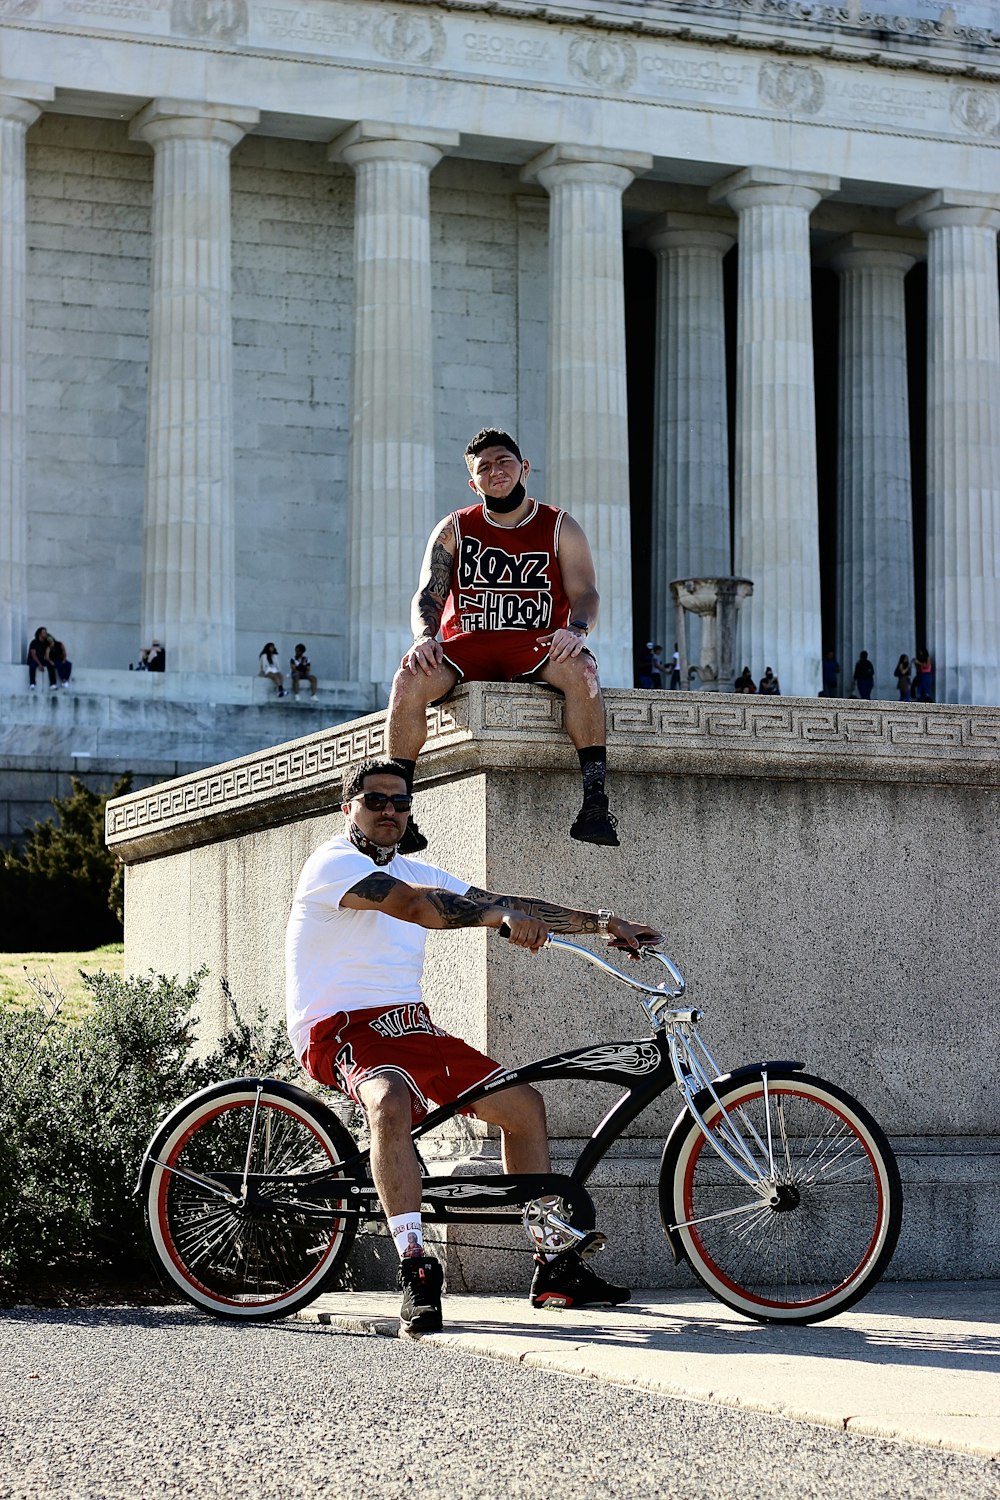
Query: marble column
(874, 499)
(188, 597)
(586, 458)
(777, 527)
(18, 111)
(691, 531)
(963, 441)
(391, 493)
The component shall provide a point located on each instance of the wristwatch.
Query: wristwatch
(603, 918)
(579, 625)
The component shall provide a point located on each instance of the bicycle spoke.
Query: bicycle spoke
(726, 1213)
(816, 1241)
(238, 1253)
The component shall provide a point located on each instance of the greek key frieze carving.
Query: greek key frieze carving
(300, 764)
(408, 38)
(443, 723)
(789, 86)
(539, 713)
(690, 721)
(210, 20)
(793, 731)
(602, 62)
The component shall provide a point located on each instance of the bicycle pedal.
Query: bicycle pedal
(591, 1244)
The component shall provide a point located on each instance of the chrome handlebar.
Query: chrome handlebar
(647, 989)
(659, 1010)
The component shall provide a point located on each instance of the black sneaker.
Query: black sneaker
(594, 824)
(412, 841)
(568, 1281)
(420, 1280)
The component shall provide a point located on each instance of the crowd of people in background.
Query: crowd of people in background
(914, 677)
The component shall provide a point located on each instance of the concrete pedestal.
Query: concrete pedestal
(824, 872)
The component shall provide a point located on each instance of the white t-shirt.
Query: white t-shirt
(337, 958)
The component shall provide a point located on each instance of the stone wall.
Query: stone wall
(89, 205)
(824, 872)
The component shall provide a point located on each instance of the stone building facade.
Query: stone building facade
(264, 268)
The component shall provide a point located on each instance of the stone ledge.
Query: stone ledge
(208, 688)
(496, 725)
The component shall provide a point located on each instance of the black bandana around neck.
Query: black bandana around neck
(375, 852)
(513, 500)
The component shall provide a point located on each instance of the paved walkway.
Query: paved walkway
(916, 1361)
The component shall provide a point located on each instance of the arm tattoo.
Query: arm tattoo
(374, 888)
(461, 911)
(428, 606)
(556, 918)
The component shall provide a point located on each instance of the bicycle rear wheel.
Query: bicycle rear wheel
(831, 1233)
(234, 1260)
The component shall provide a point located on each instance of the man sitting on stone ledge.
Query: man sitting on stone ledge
(354, 953)
(511, 586)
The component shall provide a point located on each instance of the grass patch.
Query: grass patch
(59, 971)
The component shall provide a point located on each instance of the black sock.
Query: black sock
(594, 767)
(407, 767)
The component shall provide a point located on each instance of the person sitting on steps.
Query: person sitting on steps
(510, 585)
(268, 666)
(301, 671)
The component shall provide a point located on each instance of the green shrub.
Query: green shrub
(62, 889)
(78, 1105)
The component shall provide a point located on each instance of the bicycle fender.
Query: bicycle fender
(679, 1129)
(290, 1091)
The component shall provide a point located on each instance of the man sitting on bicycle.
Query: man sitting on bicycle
(354, 953)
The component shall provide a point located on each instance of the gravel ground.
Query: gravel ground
(137, 1403)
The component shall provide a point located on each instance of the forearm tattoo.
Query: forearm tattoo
(556, 918)
(461, 911)
(428, 606)
(374, 888)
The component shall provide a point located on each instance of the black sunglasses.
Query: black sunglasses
(375, 801)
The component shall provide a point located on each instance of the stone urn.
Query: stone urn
(715, 601)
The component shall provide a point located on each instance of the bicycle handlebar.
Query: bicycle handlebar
(660, 990)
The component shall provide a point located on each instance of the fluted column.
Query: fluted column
(691, 532)
(391, 497)
(586, 456)
(963, 442)
(777, 527)
(17, 112)
(874, 499)
(188, 596)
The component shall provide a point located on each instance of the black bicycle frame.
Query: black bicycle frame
(643, 1068)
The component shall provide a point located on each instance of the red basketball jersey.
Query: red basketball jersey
(506, 577)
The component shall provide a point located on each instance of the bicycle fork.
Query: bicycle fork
(748, 1154)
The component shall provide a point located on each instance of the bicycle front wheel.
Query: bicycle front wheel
(234, 1259)
(817, 1229)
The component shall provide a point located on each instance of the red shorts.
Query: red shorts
(349, 1047)
(496, 655)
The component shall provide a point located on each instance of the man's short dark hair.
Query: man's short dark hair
(354, 783)
(491, 437)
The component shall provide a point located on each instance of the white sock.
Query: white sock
(408, 1232)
